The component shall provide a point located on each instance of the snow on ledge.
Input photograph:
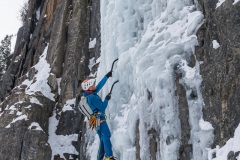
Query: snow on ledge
(35, 124)
(92, 43)
(40, 82)
(36, 101)
(204, 125)
(236, 1)
(60, 144)
(231, 145)
(68, 105)
(22, 117)
(215, 43)
(220, 2)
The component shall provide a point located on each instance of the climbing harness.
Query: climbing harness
(94, 121)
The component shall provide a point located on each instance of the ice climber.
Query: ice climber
(98, 107)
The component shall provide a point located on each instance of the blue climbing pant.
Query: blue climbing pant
(105, 145)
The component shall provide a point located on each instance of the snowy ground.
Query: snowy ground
(60, 144)
(231, 145)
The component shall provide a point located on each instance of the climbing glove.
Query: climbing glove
(108, 97)
(109, 74)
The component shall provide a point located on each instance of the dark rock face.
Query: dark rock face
(185, 151)
(20, 138)
(35, 146)
(137, 141)
(220, 69)
(153, 142)
(66, 27)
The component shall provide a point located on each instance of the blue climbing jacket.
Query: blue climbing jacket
(94, 101)
(97, 105)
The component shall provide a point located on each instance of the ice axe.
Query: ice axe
(115, 81)
(112, 87)
(108, 97)
(108, 75)
(113, 64)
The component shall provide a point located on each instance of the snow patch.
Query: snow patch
(69, 105)
(220, 2)
(38, 13)
(35, 100)
(60, 144)
(28, 107)
(236, 1)
(22, 117)
(92, 43)
(19, 113)
(59, 86)
(36, 126)
(12, 109)
(215, 44)
(204, 125)
(91, 64)
(13, 43)
(91, 149)
(231, 145)
(40, 80)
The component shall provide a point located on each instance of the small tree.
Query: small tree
(5, 51)
(23, 12)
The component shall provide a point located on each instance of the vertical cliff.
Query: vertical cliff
(51, 57)
(178, 94)
(219, 49)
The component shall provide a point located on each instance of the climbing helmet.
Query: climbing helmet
(87, 83)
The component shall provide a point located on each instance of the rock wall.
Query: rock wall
(220, 69)
(66, 28)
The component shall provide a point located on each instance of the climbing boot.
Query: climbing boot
(110, 158)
